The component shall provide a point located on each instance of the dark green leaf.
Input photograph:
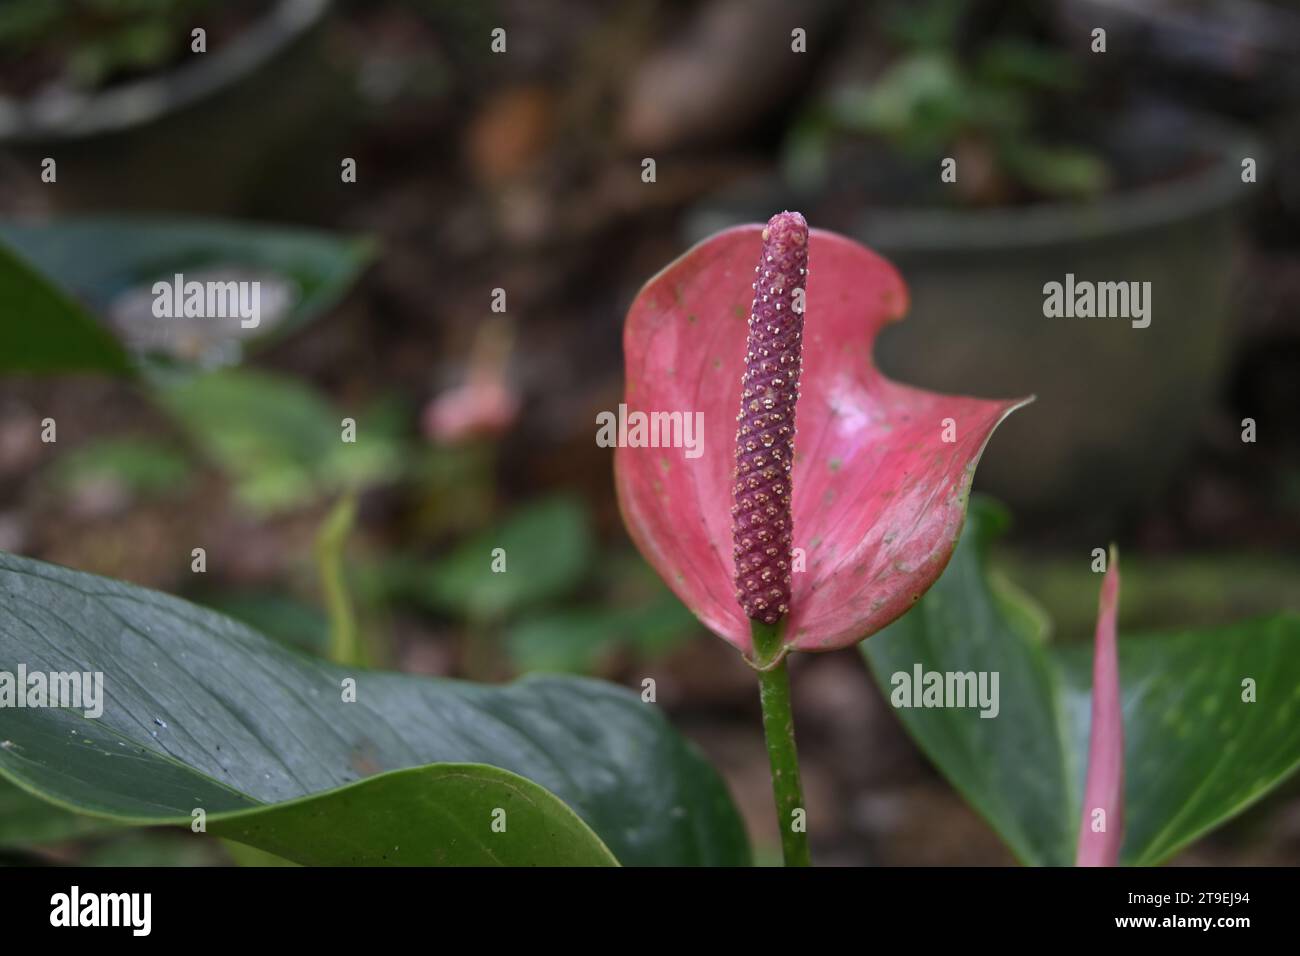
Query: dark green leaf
(1012, 768)
(439, 815)
(201, 712)
(44, 331)
(111, 264)
(1195, 752)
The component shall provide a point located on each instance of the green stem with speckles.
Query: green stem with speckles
(778, 729)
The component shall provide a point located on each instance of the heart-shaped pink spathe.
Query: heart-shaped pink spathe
(879, 495)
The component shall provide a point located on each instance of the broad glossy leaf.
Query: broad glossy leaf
(879, 492)
(1195, 754)
(452, 807)
(42, 330)
(202, 712)
(111, 264)
(1013, 768)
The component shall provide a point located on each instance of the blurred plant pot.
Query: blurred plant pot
(197, 137)
(1117, 406)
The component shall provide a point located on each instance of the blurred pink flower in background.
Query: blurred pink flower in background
(486, 404)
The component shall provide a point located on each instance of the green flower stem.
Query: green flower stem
(345, 644)
(778, 728)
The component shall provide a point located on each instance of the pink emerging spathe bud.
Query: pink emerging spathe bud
(471, 411)
(761, 512)
(1101, 831)
(485, 405)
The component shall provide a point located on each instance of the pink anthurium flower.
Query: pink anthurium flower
(865, 516)
(1102, 828)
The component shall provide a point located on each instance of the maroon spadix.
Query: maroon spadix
(761, 493)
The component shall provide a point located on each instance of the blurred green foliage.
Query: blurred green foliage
(345, 646)
(26, 820)
(539, 553)
(286, 619)
(280, 440)
(88, 43)
(139, 465)
(1161, 591)
(537, 590)
(936, 98)
(577, 640)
